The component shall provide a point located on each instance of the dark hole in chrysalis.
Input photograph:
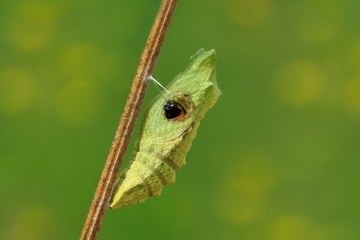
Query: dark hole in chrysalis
(174, 110)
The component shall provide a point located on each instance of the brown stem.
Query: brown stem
(128, 119)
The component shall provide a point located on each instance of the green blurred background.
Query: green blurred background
(277, 158)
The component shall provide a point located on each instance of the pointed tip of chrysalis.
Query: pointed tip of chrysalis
(203, 58)
(129, 190)
(207, 60)
(203, 53)
(199, 78)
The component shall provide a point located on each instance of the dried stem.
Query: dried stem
(126, 126)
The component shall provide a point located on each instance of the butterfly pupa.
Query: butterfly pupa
(167, 131)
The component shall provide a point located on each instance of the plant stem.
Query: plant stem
(128, 119)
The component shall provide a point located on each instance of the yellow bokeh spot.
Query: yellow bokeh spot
(31, 26)
(78, 101)
(351, 95)
(237, 209)
(248, 13)
(291, 228)
(86, 60)
(18, 90)
(300, 83)
(34, 223)
(254, 177)
(243, 196)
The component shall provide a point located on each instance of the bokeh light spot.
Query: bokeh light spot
(18, 90)
(245, 187)
(291, 228)
(351, 95)
(78, 101)
(31, 26)
(86, 60)
(32, 223)
(300, 83)
(248, 13)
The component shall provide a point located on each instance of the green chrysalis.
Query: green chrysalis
(167, 131)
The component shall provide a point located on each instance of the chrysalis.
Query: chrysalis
(167, 131)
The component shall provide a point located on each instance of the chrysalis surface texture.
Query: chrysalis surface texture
(167, 131)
